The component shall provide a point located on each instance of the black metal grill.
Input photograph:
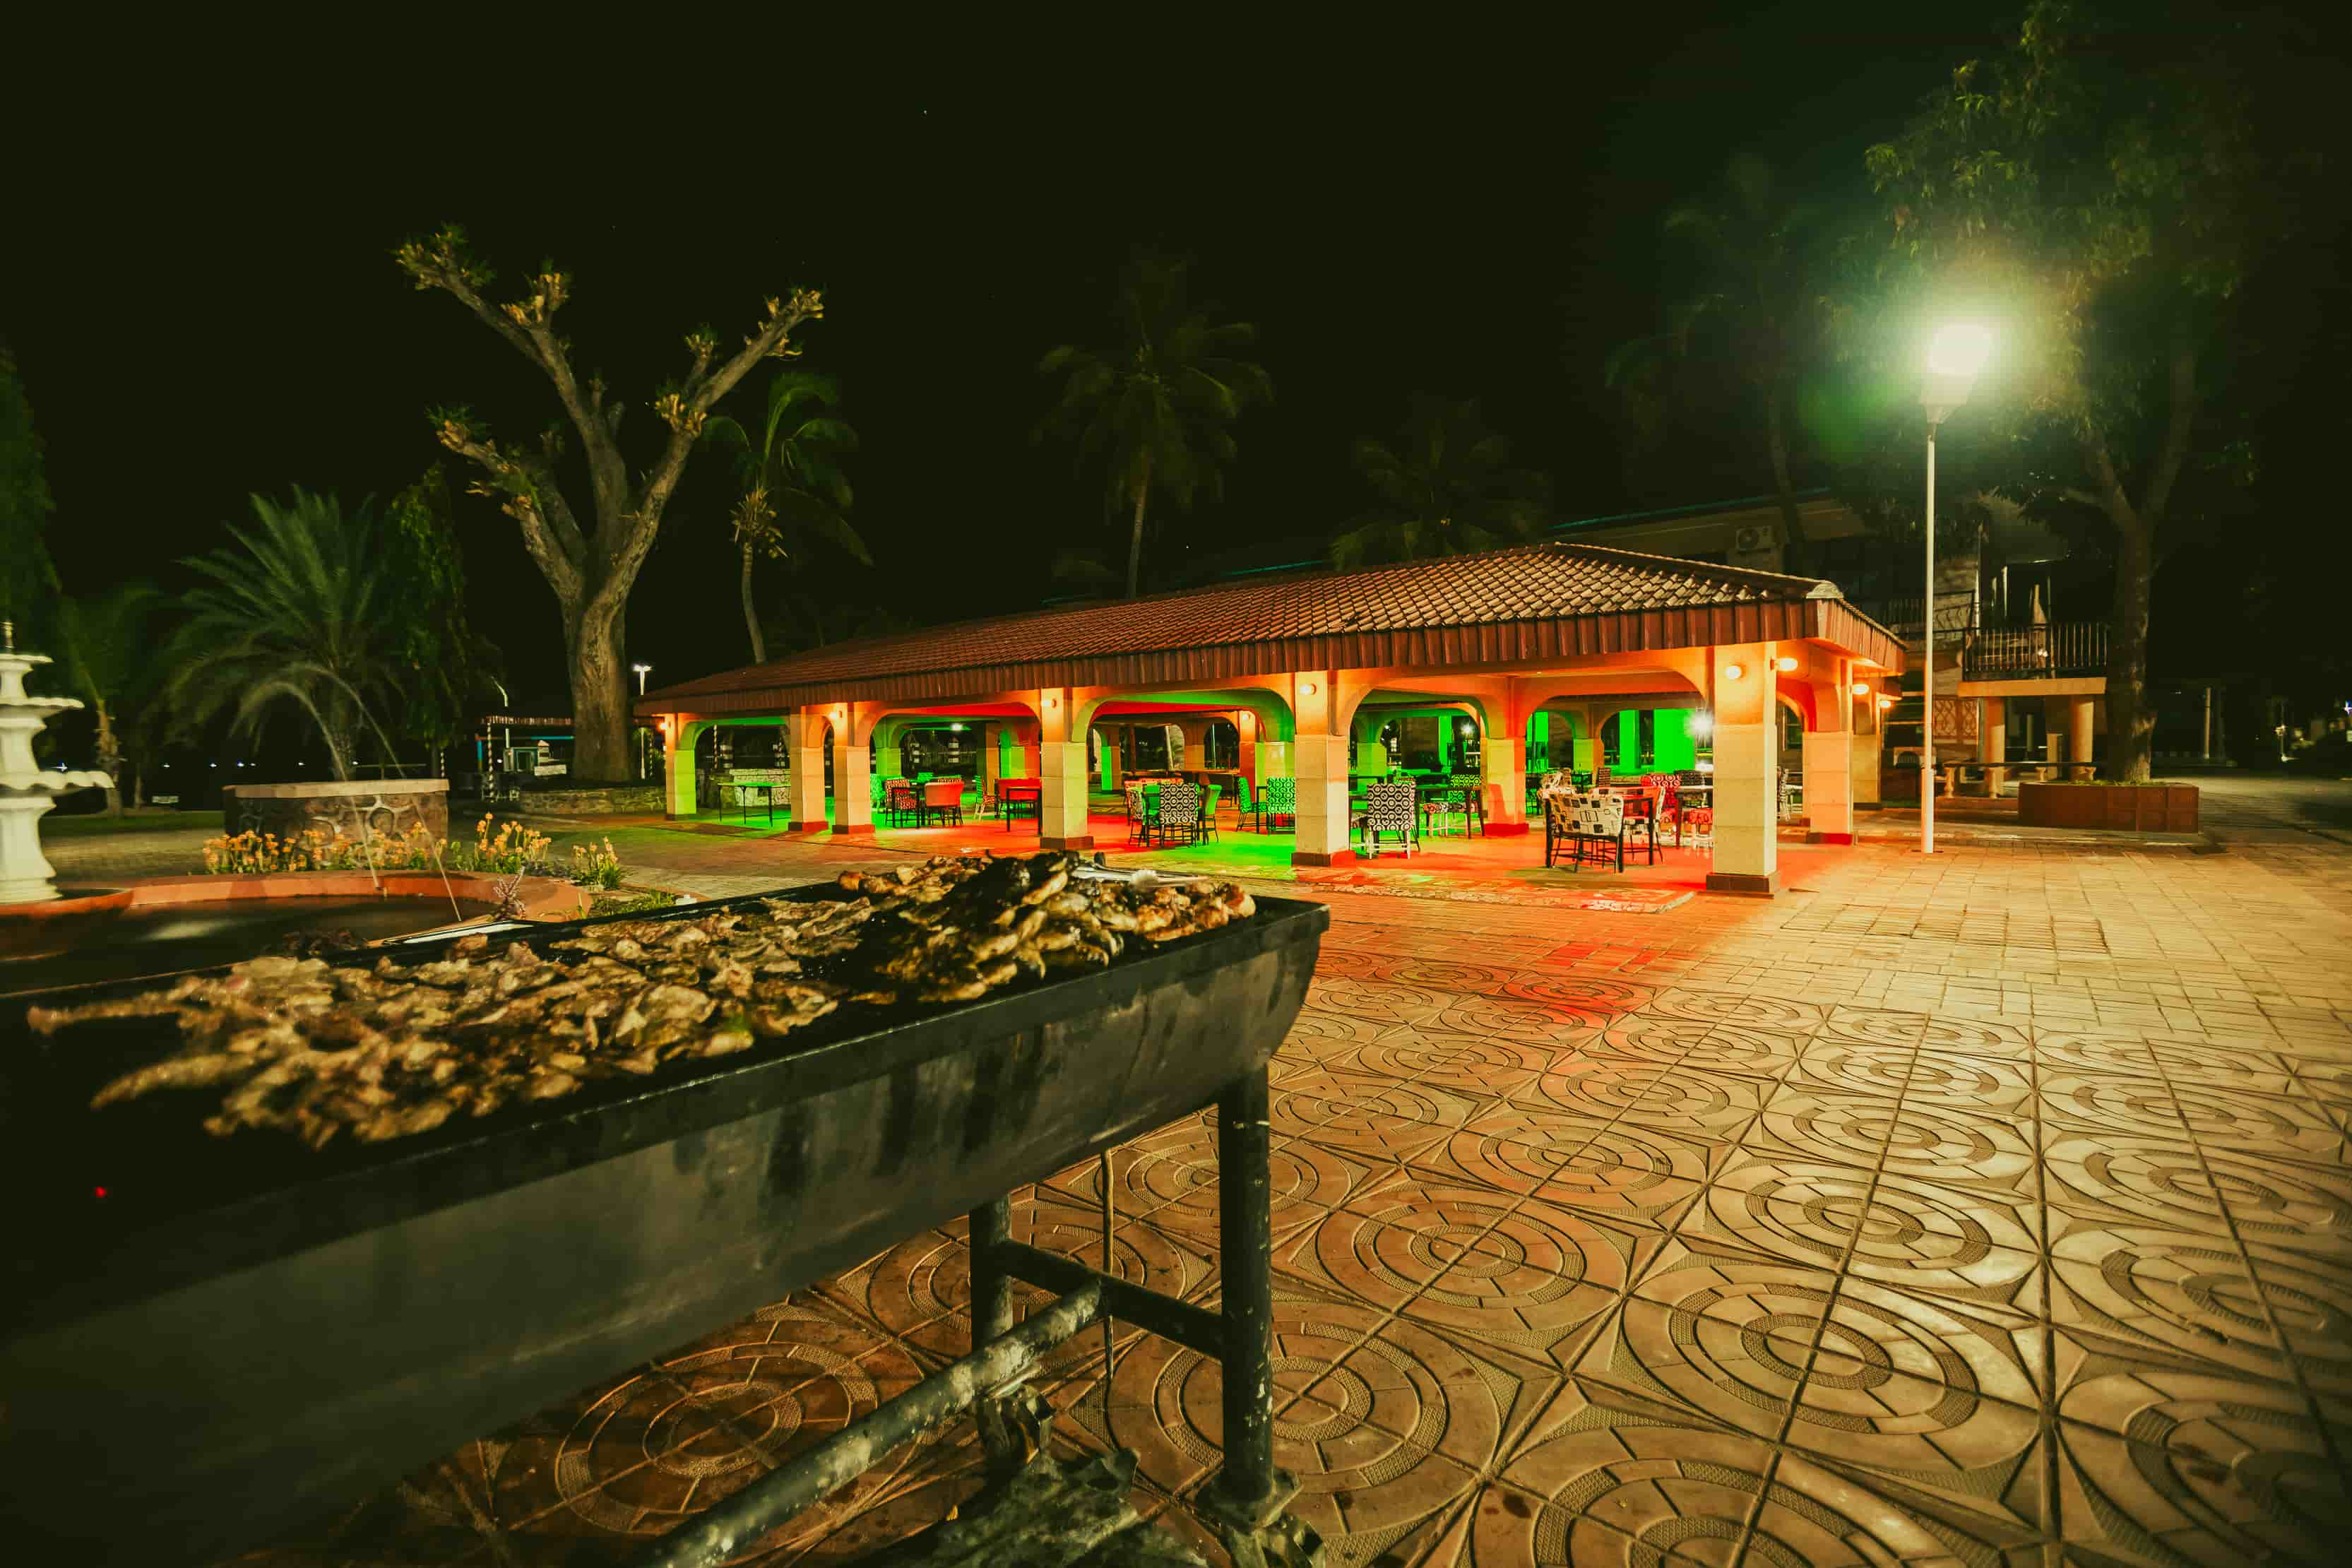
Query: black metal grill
(208, 1340)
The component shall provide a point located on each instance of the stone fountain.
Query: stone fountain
(27, 793)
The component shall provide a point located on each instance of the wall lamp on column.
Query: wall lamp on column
(1734, 671)
(1052, 703)
(1784, 664)
(1862, 689)
(1306, 689)
(1884, 703)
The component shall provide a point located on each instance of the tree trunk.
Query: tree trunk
(600, 695)
(750, 615)
(1776, 439)
(1135, 540)
(109, 759)
(2131, 718)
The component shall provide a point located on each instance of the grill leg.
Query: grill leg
(1247, 1499)
(991, 1319)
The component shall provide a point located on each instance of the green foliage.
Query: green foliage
(300, 614)
(806, 621)
(1444, 485)
(106, 652)
(446, 667)
(1155, 405)
(29, 579)
(796, 493)
(1755, 313)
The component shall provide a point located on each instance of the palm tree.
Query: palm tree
(107, 658)
(297, 614)
(1757, 308)
(794, 492)
(1155, 405)
(1444, 485)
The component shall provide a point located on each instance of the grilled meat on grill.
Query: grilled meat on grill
(314, 1049)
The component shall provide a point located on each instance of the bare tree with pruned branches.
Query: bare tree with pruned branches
(592, 568)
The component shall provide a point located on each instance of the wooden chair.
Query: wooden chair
(942, 801)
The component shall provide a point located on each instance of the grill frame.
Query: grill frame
(196, 1377)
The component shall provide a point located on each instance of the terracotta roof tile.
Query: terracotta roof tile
(1540, 583)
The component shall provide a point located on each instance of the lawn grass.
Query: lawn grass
(98, 824)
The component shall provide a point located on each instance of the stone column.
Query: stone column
(1992, 741)
(1065, 824)
(1507, 785)
(1371, 762)
(677, 761)
(853, 785)
(1867, 739)
(804, 746)
(1322, 764)
(991, 764)
(1829, 766)
(1747, 803)
(1196, 744)
(2080, 739)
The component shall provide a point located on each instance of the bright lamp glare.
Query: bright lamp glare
(1960, 349)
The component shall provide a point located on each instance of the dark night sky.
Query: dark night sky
(200, 296)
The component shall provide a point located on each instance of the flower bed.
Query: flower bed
(2138, 807)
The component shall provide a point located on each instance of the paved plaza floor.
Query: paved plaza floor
(1991, 1208)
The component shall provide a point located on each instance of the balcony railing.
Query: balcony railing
(2023, 653)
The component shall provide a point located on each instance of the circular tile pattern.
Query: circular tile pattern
(2167, 1182)
(1378, 1428)
(1900, 1232)
(1651, 1495)
(1709, 1048)
(1897, 1381)
(1594, 999)
(1475, 1064)
(1493, 1257)
(2083, 1050)
(2241, 1479)
(1366, 1114)
(1623, 1169)
(2197, 1294)
(1773, 1014)
(1547, 1024)
(1183, 1196)
(1922, 1140)
(663, 1446)
(1647, 1092)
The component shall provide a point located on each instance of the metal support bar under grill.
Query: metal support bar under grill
(1194, 1327)
(774, 1499)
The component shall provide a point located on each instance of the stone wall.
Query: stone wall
(388, 810)
(615, 800)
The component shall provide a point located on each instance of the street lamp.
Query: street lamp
(645, 763)
(1954, 358)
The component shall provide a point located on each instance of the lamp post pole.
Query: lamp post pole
(1927, 659)
(1958, 354)
(645, 763)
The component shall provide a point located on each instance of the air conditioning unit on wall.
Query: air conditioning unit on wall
(1752, 541)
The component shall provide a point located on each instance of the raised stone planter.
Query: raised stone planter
(389, 807)
(609, 800)
(2142, 809)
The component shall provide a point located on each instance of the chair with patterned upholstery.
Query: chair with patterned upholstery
(1277, 801)
(1179, 817)
(1389, 806)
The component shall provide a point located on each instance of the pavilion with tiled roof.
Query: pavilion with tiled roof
(1306, 661)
